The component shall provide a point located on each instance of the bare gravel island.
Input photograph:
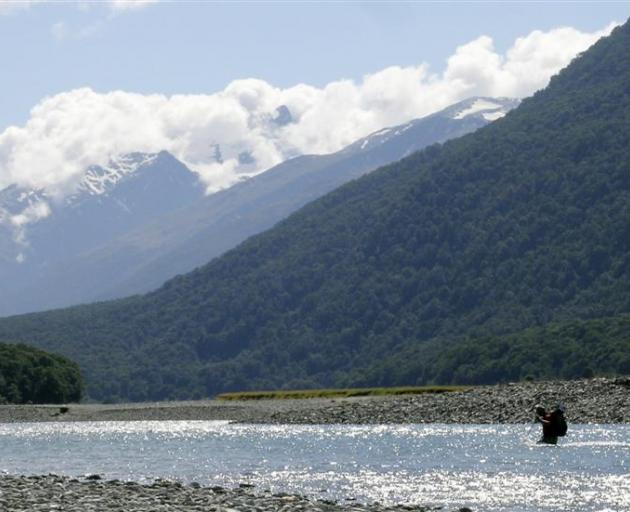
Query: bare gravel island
(597, 400)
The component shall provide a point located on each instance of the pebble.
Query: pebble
(52, 492)
(598, 400)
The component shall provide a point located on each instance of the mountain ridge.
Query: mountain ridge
(137, 260)
(110, 201)
(523, 223)
(317, 174)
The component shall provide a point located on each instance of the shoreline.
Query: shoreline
(599, 400)
(91, 494)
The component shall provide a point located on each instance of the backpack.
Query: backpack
(560, 425)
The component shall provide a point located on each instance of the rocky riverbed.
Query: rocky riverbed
(51, 493)
(587, 401)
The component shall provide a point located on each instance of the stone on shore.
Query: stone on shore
(598, 400)
(52, 492)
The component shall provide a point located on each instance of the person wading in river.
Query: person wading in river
(554, 424)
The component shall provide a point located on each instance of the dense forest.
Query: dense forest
(451, 265)
(29, 375)
(566, 350)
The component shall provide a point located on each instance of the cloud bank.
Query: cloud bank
(252, 125)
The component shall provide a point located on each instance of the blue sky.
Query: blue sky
(200, 47)
(84, 81)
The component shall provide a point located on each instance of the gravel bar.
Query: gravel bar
(598, 400)
(56, 493)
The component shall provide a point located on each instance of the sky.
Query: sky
(84, 81)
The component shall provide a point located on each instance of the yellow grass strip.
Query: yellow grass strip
(336, 393)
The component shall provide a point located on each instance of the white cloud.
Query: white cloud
(129, 5)
(70, 131)
(33, 212)
(526, 67)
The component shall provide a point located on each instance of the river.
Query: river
(484, 467)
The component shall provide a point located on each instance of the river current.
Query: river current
(484, 467)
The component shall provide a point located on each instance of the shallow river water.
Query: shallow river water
(485, 467)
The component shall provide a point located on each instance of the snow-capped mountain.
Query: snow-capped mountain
(129, 186)
(152, 248)
(97, 180)
(21, 208)
(475, 112)
(39, 233)
(489, 109)
(143, 219)
(100, 180)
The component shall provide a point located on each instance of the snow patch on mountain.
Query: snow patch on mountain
(481, 105)
(21, 207)
(493, 116)
(489, 109)
(99, 180)
(373, 139)
(14, 200)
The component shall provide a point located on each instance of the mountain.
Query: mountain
(38, 255)
(177, 240)
(523, 224)
(193, 236)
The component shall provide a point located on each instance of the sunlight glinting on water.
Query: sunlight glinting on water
(486, 467)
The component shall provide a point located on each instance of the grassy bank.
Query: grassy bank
(336, 393)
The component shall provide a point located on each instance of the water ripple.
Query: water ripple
(486, 467)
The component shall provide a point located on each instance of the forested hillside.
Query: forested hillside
(28, 375)
(566, 350)
(459, 249)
